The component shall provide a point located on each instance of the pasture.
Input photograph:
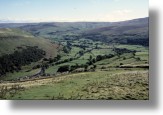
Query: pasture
(115, 85)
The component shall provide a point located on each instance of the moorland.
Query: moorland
(75, 60)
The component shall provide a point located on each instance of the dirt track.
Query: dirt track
(38, 82)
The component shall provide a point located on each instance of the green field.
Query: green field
(12, 39)
(114, 85)
(77, 60)
(124, 59)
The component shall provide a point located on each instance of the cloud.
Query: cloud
(24, 3)
(118, 15)
(122, 11)
(116, 0)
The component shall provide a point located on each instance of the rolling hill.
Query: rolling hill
(80, 40)
(125, 32)
(15, 39)
(134, 32)
(19, 50)
(95, 60)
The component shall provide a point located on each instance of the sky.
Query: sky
(72, 10)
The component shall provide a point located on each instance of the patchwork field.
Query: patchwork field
(80, 60)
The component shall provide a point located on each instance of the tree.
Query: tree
(98, 58)
(86, 67)
(81, 52)
(94, 66)
(45, 66)
(64, 68)
(121, 63)
(90, 57)
(58, 57)
(68, 43)
(124, 58)
(14, 62)
(96, 46)
(45, 59)
(37, 66)
(43, 70)
(138, 59)
(94, 60)
(76, 64)
(51, 60)
(90, 62)
(65, 49)
(103, 67)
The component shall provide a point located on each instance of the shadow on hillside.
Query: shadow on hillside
(151, 104)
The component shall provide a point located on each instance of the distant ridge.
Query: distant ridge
(139, 21)
(27, 21)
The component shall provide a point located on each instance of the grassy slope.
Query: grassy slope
(91, 85)
(107, 84)
(10, 39)
(142, 53)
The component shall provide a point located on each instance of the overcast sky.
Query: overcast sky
(73, 10)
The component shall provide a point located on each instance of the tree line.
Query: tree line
(14, 62)
(90, 62)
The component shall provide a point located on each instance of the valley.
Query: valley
(80, 60)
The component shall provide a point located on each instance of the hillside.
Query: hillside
(95, 60)
(134, 32)
(20, 51)
(16, 39)
(111, 85)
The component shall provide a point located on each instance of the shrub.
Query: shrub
(64, 68)
(121, 63)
